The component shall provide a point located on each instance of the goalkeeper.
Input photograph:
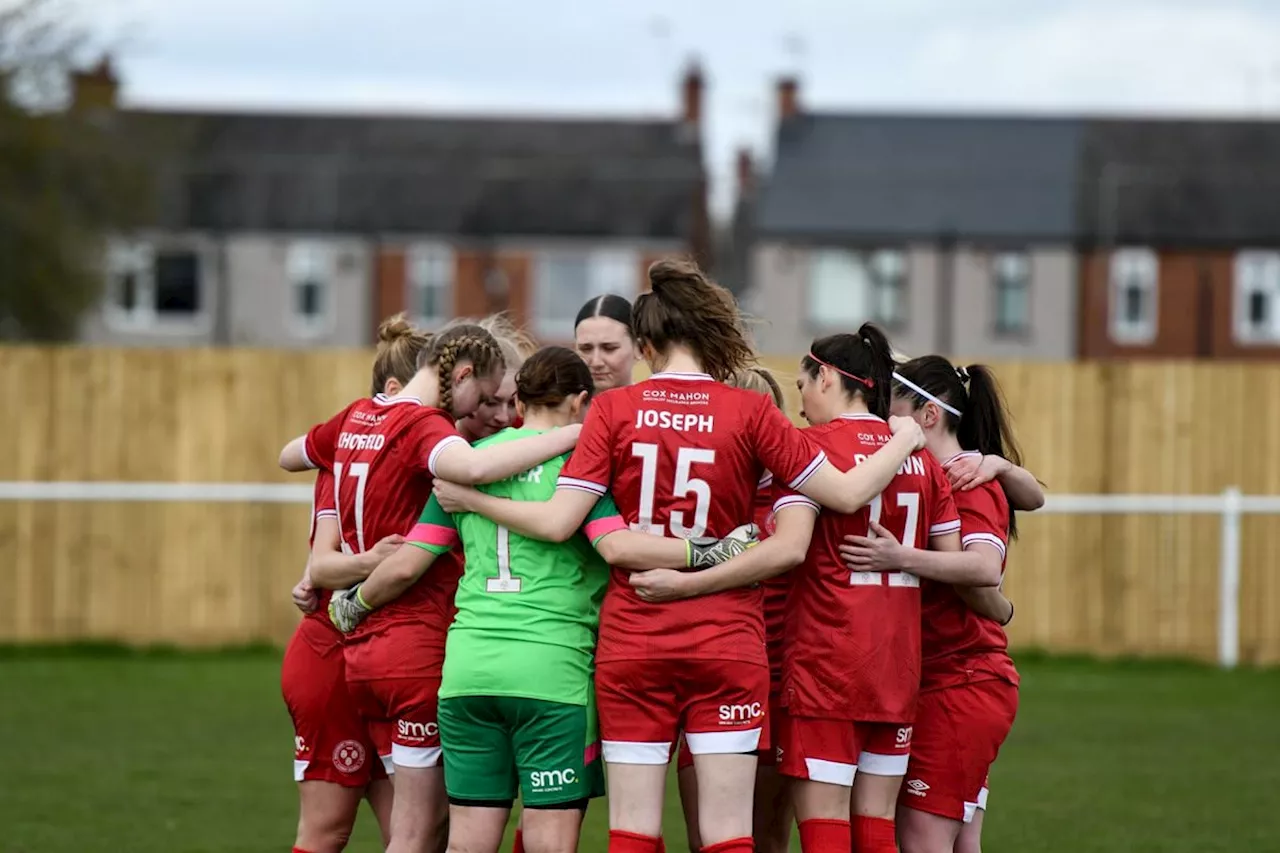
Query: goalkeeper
(517, 708)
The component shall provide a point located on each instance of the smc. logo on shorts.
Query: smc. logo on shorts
(552, 780)
(349, 756)
(904, 736)
(417, 731)
(299, 746)
(733, 715)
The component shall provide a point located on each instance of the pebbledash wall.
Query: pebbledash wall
(200, 573)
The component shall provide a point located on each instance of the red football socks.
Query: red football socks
(633, 842)
(874, 835)
(825, 836)
(518, 846)
(733, 845)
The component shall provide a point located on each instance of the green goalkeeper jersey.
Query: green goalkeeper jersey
(528, 610)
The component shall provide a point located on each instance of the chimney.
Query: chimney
(691, 94)
(788, 98)
(96, 88)
(746, 172)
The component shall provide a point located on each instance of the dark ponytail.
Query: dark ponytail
(864, 361)
(983, 423)
(551, 375)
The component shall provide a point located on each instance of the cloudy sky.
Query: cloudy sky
(595, 56)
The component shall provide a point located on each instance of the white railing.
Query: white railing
(1231, 505)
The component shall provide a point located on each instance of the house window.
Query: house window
(848, 288)
(566, 280)
(311, 274)
(431, 274)
(1257, 297)
(1011, 280)
(1134, 284)
(146, 286)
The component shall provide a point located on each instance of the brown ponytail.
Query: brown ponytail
(550, 376)
(461, 343)
(399, 345)
(687, 308)
(864, 362)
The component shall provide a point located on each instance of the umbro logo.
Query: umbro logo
(917, 787)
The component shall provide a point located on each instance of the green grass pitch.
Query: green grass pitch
(175, 753)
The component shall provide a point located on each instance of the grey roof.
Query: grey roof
(899, 176)
(1180, 182)
(465, 176)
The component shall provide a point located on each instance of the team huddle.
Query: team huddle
(531, 578)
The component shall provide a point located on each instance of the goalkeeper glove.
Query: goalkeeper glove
(706, 551)
(347, 609)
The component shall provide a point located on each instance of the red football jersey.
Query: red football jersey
(316, 629)
(958, 643)
(852, 643)
(775, 588)
(683, 455)
(382, 452)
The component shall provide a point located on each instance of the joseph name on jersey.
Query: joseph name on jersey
(682, 456)
(852, 640)
(382, 452)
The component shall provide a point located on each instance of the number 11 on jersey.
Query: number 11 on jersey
(504, 582)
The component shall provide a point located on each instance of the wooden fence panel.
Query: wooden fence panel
(200, 574)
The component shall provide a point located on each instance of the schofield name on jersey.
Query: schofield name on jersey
(678, 421)
(361, 441)
(913, 465)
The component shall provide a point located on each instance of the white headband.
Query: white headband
(902, 380)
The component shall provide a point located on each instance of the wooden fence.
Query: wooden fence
(198, 574)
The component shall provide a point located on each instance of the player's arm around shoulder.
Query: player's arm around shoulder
(781, 552)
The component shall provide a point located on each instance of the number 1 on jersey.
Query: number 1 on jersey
(504, 582)
(359, 470)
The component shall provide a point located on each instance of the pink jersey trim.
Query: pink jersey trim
(809, 470)
(433, 534)
(795, 500)
(690, 377)
(987, 539)
(327, 513)
(766, 481)
(440, 447)
(384, 400)
(942, 528)
(564, 482)
(603, 526)
(961, 455)
(306, 460)
(592, 752)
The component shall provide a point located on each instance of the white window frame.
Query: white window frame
(431, 266)
(1256, 271)
(610, 270)
(318, 259)
(139, 256)
(1142, 267)
(1011, 265)
(865, 282)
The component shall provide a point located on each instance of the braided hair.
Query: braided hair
(461, 343)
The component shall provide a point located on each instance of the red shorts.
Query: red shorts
(331, 742)
(768, 749)
(833, 751)
(958, 733)
(720, 705)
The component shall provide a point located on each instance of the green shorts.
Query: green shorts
(498, 746)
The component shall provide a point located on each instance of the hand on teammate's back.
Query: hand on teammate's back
(880, 552)
(969, 472)
(453, 497)
(898, 424)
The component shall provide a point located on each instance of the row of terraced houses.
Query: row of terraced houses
(986, 236)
